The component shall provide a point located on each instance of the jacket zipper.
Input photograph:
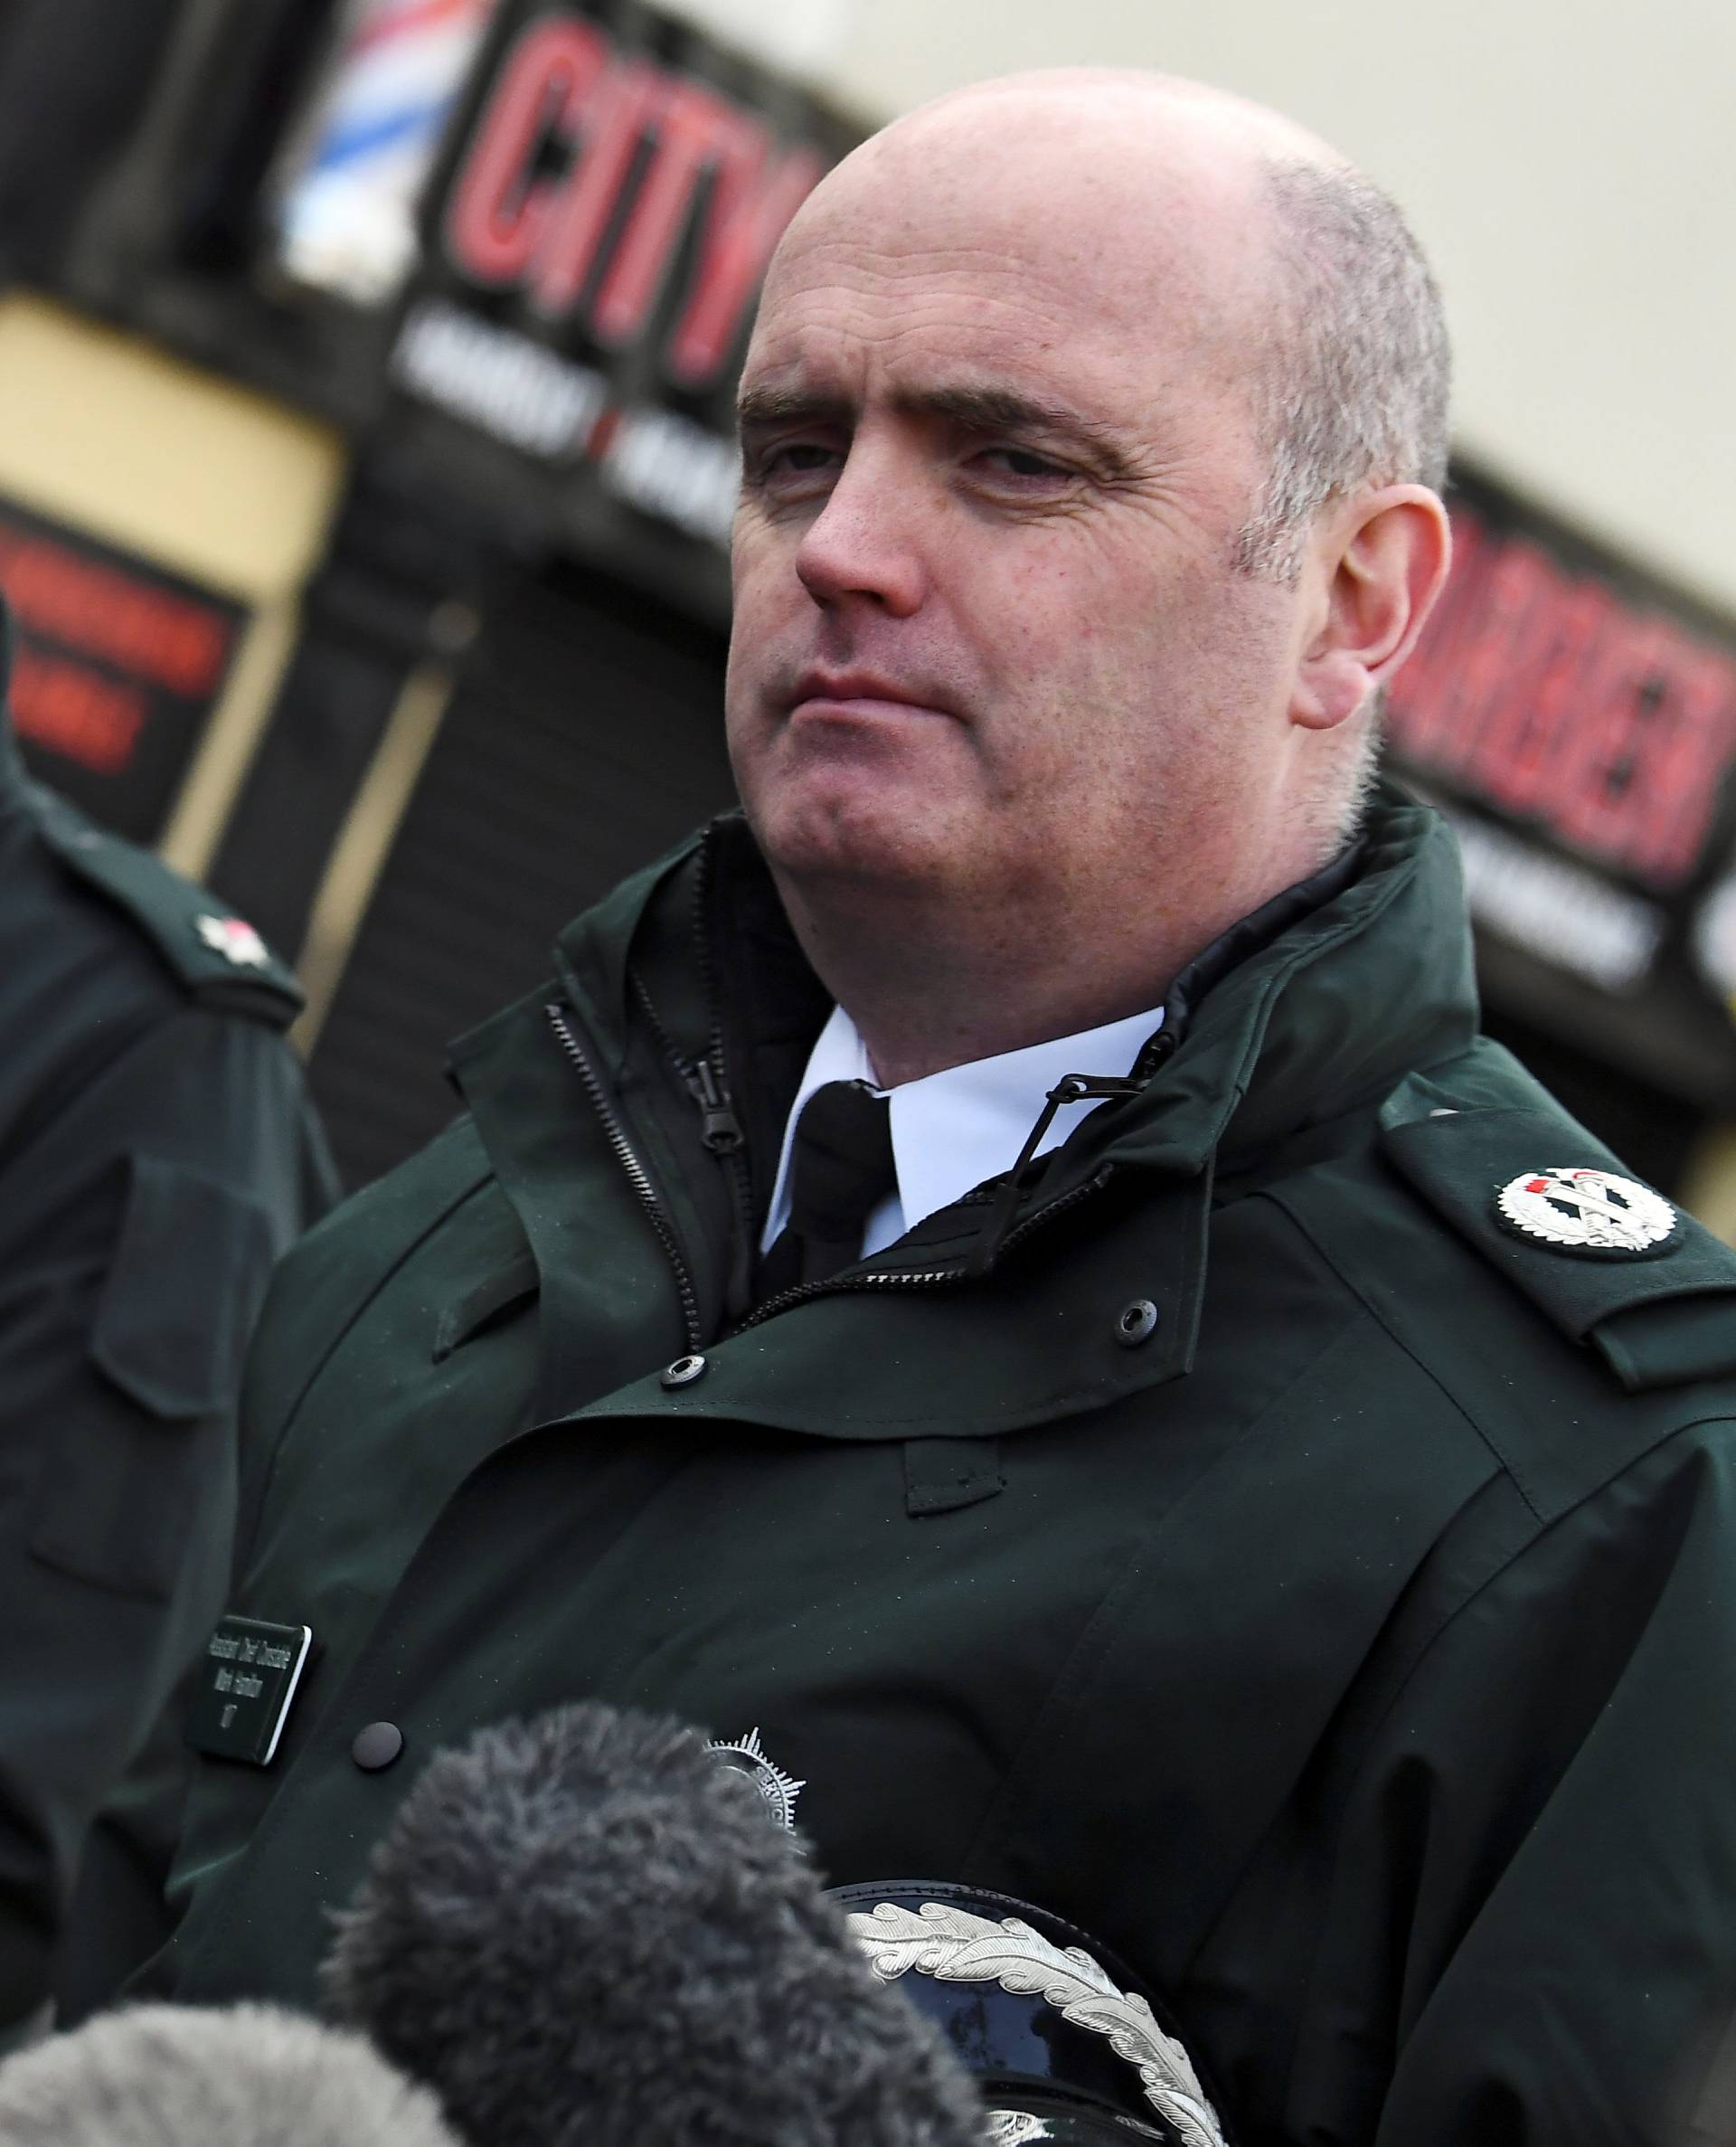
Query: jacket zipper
(720, 1127)
(801, 1292)
(722, 1132)
(928, 1278)
(638, 1177)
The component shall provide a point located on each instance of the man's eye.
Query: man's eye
(795, 457)
(1021, 463)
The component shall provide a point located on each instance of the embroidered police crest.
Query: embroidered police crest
(1589, 1212)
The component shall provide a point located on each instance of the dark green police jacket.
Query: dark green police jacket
(1349, 1646)
(156, 1153)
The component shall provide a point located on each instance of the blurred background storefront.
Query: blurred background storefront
(365, 473)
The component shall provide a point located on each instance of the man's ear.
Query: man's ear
(1382, 560)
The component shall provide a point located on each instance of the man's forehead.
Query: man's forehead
(1053, 236)
(977, 367)
(906, 351)
(986, 337)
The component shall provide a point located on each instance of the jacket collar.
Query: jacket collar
(1316, 1006)
(1325, 999)
(1327, 995)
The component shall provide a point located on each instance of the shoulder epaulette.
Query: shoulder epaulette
(217, 956)
(1612, 1263)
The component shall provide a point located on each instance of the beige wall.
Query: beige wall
(110, 433)
(1567, 163)
(113, 436)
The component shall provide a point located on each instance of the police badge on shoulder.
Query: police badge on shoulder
(247, 1681)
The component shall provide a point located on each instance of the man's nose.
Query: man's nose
(865, 542)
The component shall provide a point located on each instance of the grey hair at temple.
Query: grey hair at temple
(1353, 388)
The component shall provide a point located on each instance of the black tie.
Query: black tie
(840, 1170)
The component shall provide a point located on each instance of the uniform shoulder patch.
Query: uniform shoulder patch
(1590, 1212)
(218, 957)
(1611, 1262)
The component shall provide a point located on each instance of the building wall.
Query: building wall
(1566, 163)
(114, 435)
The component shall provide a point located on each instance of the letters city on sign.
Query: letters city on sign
(641, 144)
(593, 246)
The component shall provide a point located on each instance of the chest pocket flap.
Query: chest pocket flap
(182, 1295)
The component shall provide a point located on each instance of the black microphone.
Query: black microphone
(584, 1931)
(245, 2075)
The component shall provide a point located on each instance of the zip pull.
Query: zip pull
(1072, 1088)
(719, 1129)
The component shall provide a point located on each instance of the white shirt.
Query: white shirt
(954, 1129)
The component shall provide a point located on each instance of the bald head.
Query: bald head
(1145, 193)
(1165, 117)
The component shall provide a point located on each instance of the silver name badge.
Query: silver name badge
(247, 1680)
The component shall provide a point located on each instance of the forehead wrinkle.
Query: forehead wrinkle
(1078, 298)
(879, 253)
(975, 377)
(864, 305)
(829, 328)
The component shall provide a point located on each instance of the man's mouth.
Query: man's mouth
(864, 695)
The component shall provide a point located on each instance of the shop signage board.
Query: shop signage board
(1578, 723)
(593, 246)
(116, 664)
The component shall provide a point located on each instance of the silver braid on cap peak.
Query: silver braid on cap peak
(956, 1947)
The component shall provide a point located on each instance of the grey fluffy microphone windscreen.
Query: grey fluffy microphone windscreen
(247, 2076)
(582, 1931)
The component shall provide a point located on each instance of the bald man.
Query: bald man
(1006, 1282)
